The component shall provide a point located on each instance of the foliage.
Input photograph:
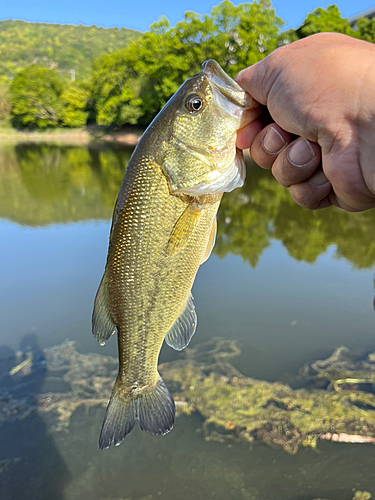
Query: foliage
(41, 98)
(59, 46)
(325, 20)
(366, 29)
(129, 86)
(75, 100)
(133, 84)
(116, 103)
(35, 96)
(5, 104)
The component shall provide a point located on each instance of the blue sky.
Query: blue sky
(140, 14)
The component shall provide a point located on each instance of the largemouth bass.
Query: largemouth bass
(163, 229)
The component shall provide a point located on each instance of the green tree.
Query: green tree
(35, 96)
(5, 104)
(131, 85)
(115, 102)
(325, 20)
(366, 29)
(74, 105)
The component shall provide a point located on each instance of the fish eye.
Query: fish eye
(194, 104)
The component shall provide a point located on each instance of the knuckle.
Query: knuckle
(279, 175)
(288, 173)
(305, 197)
(284, 173)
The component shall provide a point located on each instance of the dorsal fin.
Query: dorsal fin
(183, 328)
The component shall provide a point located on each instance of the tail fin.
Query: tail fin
(155, 410)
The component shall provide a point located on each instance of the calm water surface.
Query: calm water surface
(289, 285)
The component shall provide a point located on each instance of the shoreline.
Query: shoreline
(128, 138)
(81, 137)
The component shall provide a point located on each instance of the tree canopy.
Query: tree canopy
(131, 85)
(135, 74)
(366, 29)
(41, 98)
(35, 97)
(325, 20)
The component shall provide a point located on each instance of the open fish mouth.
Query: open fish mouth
(227, 87)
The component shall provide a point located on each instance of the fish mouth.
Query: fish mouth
(223, 83)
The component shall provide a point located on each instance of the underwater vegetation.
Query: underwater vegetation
(359, 495)
(241, 408)
(335, 400)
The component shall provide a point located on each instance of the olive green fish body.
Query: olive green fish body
(149, 279)
(163, 228)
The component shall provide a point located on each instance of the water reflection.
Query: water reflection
(263, 210)
(49, 275)
(47, 184)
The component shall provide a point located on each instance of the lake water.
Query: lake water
(288, 285)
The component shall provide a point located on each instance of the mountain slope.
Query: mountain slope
(60, 46)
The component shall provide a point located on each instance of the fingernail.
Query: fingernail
(301, 153)
(318, 179)
(273, 141)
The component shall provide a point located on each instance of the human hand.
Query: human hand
(319, 94)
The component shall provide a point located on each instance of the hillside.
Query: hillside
(60, 46)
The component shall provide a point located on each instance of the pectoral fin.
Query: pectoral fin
(184, 327)
(211, 241)
(102, 323)
(184, 227)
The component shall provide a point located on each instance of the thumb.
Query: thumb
(257, 80)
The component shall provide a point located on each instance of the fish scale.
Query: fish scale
(152, 293)
(159, 237)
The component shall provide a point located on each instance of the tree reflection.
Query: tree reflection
(263, 210)
(47, 184)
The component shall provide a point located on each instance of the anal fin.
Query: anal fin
(181, 332)
(102, 323)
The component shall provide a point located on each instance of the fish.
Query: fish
(163, 229)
